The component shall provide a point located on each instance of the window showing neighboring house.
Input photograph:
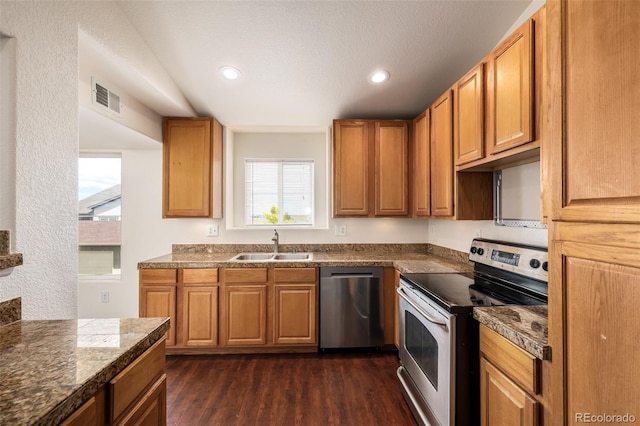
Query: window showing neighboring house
(99, 219)
(279, 192)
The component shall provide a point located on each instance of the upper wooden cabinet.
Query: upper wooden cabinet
(192, 168)
(391, 168)
(468, 123)
(352, 161)
(442, 156)
(370, 168)
(420, 152)
(455, 195)
(595, 156)
(511, 83)
(498, 104)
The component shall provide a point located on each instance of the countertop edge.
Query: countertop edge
(363, 259)
(10, 260)
(540, 350)
(89, 388)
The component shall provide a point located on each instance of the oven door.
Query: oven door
(426, 333)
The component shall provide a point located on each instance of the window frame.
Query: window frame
(281, 162)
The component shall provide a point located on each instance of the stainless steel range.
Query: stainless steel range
(438, 336)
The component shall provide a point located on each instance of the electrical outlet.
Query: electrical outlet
(104, 296)
(212, 230)
(341, 230)
(477, 233)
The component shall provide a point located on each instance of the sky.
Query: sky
(96, 174)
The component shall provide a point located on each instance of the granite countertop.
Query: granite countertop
(8, 259)
(49, 368)
(402, 258)
(524, 326)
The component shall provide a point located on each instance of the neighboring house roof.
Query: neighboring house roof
(99, 233)
(87, 205)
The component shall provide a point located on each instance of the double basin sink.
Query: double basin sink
(272, 257)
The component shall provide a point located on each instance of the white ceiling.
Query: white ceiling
(305, 63)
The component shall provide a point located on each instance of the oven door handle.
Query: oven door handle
(419, 309)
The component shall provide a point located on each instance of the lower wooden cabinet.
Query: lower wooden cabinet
(189, 297)
(230, 309)
(509, 382)
(87, 414)
(198, 313)
(502, 401)
(158, 291)
(244, 320)
(294, 308)
(135, 396)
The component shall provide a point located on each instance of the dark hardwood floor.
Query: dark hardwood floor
(285, 389)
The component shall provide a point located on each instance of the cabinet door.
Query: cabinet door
(244, 319)
(601, 317)
(200, 315)
(391, 168)
(595, 160)
(511, 86)
(158, 300)
(352, 160)
(86, 415)
(421, 174)
(188, 159)
(295, 314)
(502, 402)
(151, 409)
(468, 116)
(442, 156)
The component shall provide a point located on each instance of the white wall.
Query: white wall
(305, 146)
(145, 234)
(45, 134)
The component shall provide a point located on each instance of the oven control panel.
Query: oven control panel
(530, 261)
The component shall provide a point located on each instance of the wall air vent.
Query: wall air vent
(105, 97)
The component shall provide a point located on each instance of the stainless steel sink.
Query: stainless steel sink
(271, 257)
(253, 256)
(292, 256)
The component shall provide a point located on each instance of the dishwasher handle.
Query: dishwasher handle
(351, 274)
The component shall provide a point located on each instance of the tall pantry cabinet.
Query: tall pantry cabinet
(591, 187)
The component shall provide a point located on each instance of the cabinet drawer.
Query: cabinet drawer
(151, 409)
(87, 414)
(245, 275)
(200, 276)
(133, 380)
(519, 365)
(159, 276)
(295, 275)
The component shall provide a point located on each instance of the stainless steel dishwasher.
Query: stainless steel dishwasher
(351, 308)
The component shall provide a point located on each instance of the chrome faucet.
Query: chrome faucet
(276, 241)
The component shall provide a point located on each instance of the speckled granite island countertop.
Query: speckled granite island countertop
(407, 258)
(49, 368)
(524, 326)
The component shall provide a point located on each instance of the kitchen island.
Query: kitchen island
(50, 368)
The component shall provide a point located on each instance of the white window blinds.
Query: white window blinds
(279, 192)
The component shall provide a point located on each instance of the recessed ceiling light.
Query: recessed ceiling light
(379, 76)
(230, 73)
